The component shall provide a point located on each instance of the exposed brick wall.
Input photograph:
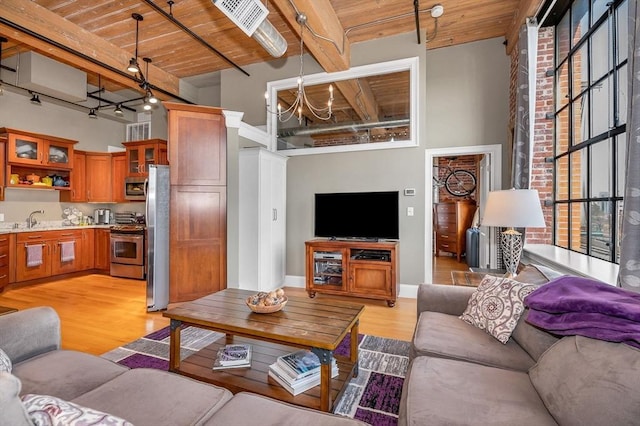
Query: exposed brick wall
(541, 170)
(464, 162)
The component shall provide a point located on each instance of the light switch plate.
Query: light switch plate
(409, 211)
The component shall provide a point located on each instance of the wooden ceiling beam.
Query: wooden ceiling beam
(526, 9)
(100, 56)
(324, 21)
(359, 95)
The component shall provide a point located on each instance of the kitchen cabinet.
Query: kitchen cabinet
(198, 201)
(118, 175)
(52, 261)
(102, 260)
(77, 183)
(353, 268)
(5, 258)
(3, 174)
(142, 154)
(98, 177)
(37, 150)
(262, 219)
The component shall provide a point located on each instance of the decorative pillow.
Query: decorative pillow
(45, 410)
(5, 362)
(496, 305)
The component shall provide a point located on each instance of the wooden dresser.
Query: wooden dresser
(451, 221)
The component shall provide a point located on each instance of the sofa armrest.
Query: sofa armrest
(25, 334)
(446, 299)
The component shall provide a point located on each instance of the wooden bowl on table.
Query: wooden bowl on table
(266, 309)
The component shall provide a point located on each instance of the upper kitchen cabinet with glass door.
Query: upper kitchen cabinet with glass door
(142, 154)
(38, 150)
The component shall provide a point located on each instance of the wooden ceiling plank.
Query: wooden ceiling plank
(43, 22)
(526, 9)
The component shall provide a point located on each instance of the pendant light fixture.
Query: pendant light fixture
(133, 62)
(301, 102)
(92, 113)
(149, 97)
(118, 111)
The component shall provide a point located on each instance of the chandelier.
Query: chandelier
(301, 101)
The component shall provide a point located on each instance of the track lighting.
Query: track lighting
(133, 66)
(35, 99)
(151, 98)
(1, 88)
(146, 106)
(92, 113)
(118, 111)
(133, 62)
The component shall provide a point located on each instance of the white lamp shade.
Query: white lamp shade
(516, 208)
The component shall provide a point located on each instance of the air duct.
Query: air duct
(251, 17)
(48, 77)
(309, 131)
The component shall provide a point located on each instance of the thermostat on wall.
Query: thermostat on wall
(409, 191)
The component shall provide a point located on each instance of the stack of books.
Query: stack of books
(233, 356)
(299, 371)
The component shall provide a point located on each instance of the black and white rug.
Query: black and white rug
(373, 397)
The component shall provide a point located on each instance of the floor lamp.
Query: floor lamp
(513, 208)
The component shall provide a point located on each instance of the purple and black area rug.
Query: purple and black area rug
(373, 397)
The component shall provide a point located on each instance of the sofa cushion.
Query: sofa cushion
(65, 374)
(587, 381)
(247, 408)
(451, 392)
(5, 362)
(12, 411)
(532, 339)
(46, 410)
(447, 336)
(496, 306)
(153, 397)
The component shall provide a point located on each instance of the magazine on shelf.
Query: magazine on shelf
(300, 363)
(235, 355)
(296, 386)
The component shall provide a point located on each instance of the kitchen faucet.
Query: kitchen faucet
(32, 221)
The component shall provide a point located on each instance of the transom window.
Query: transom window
(590, 124)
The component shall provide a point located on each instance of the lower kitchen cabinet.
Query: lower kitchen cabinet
(101, 252)
(49, 253)
(5, 250)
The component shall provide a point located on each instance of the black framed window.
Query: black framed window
(590, 124)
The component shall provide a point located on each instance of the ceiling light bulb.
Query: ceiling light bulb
(118, 111)
(92, 113)
(133, 65)
(147, 107)
(152, 99)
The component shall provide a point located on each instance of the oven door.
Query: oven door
(127, 249)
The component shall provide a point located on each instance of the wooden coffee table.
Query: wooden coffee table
(303, 323)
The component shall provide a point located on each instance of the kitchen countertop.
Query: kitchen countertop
(8, 227)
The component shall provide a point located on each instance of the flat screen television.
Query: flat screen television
(360, 215)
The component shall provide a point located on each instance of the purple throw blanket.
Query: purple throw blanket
(572, 305)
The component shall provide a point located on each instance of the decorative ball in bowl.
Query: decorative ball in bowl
(267, 303)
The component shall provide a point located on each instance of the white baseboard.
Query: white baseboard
(406, 290)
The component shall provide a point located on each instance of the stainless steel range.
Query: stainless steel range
(128, 251)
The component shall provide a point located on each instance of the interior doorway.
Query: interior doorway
(489, 178)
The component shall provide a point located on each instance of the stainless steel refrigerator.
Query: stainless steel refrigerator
(157, 217)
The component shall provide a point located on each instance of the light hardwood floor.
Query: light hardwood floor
(100, 313)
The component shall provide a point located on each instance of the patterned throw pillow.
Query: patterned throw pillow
(45, 410)
(496, 305)
(5, 362)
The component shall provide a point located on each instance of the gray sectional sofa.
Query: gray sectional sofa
(460, 375)
(31, 339)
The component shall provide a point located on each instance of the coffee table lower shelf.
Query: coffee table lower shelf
(255, 378)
